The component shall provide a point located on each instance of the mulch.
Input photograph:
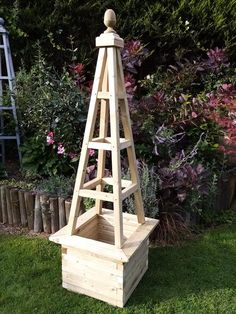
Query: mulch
(5, 229)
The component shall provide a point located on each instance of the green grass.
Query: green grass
(199, 277)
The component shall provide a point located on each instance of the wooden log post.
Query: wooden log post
(62, 214)
(9, 207)
(23, 215)
(15, 207)
(29, 205)
(38, 222)
(67, 209)
(0, 205)
(4, 204)
(46, 215)
(54, 210)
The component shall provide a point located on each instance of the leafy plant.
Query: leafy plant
(18, 184)
(39, 159)
(149, 183)
(57, 185)
(52, 119)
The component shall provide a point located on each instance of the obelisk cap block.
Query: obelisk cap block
(109, 38)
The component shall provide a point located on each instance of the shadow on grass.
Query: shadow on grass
(199, 266)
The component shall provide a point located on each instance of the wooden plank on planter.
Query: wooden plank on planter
(23, 216)
(53, 203)
(29, 202)
(62, 214)
(46, 215)
(9, 206)
(15, 207)
(4, 204)
(38, 222)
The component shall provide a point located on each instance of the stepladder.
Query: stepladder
(7, 95)
(114, 244)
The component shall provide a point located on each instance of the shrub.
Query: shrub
(172, 29)
(149, 183)
(57, 185)
(53, 112)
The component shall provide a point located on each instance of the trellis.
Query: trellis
(105, 252)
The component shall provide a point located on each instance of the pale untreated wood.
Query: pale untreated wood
(38, 221)
(46, 214)
(15, 207)
(54, 210)
(9, 207)
(125, 118)
(104, 112)
(88, 134)
(105, 252)
(29, 204)
(115, 138)
(104, 196)
(23, 215)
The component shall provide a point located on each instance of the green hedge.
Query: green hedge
(173, 29)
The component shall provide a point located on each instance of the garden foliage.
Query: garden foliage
(172, 29)
(180, 80)
(52, 111)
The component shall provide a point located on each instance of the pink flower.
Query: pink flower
(60, 149)
(50, 139)
(91, 152)
(194, 115)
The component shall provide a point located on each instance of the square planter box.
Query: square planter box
(93, 266)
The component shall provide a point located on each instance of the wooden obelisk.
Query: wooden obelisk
(113, 243)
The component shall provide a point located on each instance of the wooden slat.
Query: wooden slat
(99, 249)
(97, 195)
(81, 221)
(88, 134)
(92, 183)
(125, 144)
(98, 144)
(98, 139)
(109, 180)
(125, 118)
(101, 146)
(104, 112)
(98, 262)
(103, 297)
(115, 140)
(139, 236)
(106, 95)
(129, 190)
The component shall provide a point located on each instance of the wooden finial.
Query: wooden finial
(110, 21)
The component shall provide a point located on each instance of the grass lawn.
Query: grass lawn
(199, 277)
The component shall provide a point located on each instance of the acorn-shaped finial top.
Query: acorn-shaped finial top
(110, 21)
(1, 21)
